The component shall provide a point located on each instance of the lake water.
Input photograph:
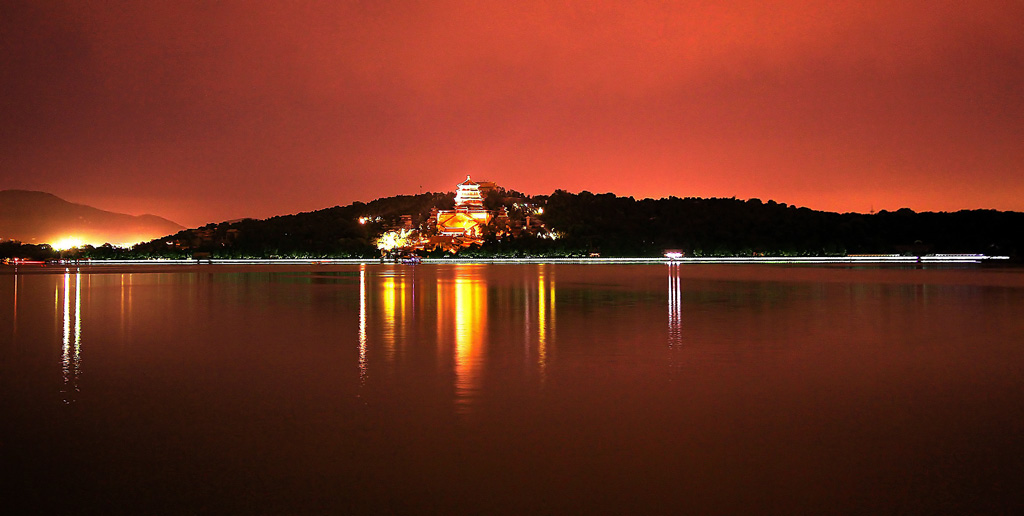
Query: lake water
(517, 389)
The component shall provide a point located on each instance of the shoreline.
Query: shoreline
(735, 260)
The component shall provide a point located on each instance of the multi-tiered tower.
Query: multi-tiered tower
(469, 216)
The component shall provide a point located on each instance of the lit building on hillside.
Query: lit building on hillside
(471, 193)
(451, 230)
(469, 216)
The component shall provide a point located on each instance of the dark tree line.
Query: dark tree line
(329, 233)
(623, 226)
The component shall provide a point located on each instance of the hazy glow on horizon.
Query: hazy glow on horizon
(71, 242)
(67, 243)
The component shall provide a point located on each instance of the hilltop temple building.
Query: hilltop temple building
(451, 230)
(469, 217)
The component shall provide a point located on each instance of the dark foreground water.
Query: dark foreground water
(527, 389)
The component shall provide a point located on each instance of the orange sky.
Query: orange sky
(206, 111)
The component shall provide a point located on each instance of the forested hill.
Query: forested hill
(615, 225)
(585, 223)
(331, 232)
(610, 225)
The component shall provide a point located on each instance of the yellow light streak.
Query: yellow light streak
(542, 327)
(470, 328)
(362, 324)
(388, 301)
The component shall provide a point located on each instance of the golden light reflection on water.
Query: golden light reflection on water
(71, 355)
(406, 297)
(451, 314)
(470, 293)
(444, 312)
(387, 291)
(362, 325)
(545, 316)
(541, 320)
(14, 322)
(397, 288)
(675, 305)
(66, 346)
(78, 314)
(124, 316)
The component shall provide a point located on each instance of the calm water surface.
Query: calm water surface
(526, 389)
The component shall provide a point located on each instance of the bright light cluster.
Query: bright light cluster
(67, 243)
(391, 240)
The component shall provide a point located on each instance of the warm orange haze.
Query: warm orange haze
(217, 111)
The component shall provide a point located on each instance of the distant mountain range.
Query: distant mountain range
(38, 217)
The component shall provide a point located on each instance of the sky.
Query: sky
(203, 111)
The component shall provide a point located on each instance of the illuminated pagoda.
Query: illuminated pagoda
(468, 194)
(469, 216)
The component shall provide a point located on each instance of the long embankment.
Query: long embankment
(860, 259)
